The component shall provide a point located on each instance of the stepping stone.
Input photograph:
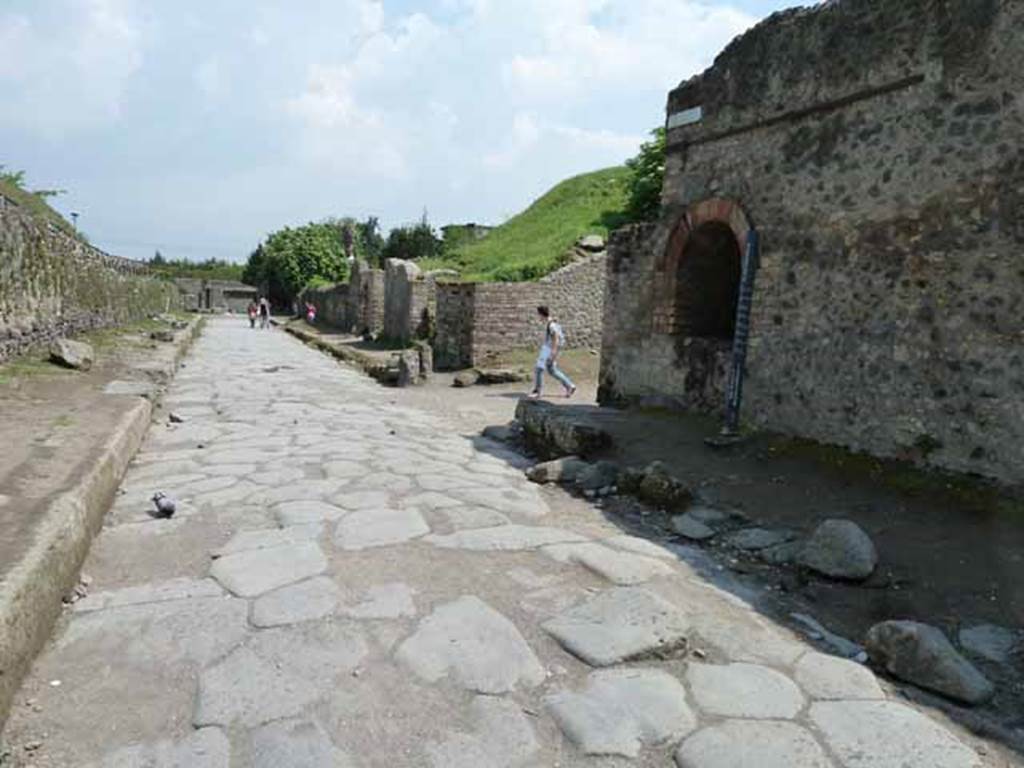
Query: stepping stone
(245, 690)
(384, 601)
(618, 567)
(251, 573)
(830, 677)
(504, 538)
(991, 642)
(618, 625)
(753, 539)
(621, 710)
(270, 537)
(744, 690)
(884, 734)
(292, 513)
(480, 648)
(502, 738)
(304, 601)
(175, 589)
(379, 528)
(204, 748)
(297, 744)
(691, 528)
(741, 743)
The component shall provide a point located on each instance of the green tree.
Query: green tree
(292, 258)
(413, 241)
(647, 173)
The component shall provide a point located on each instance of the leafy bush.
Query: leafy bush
(413, 241)
(291, 258)
(646, 175)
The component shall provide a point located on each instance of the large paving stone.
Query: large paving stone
(204, 748)
(830, 677)
(748, 743)
(510, 501)
(379, 528)
(463, 517)
(504, 538)
(292, 513)
(295, 744)
(253, 572)
(160, 592)
(618, 625)
(244, 689)
(640, 546)
(621, 710)
(270, 537)
(744, 690)
(383, 601)
(619, 567)
(884, 734)
(502, 737)
(305, 601)
(480, 648)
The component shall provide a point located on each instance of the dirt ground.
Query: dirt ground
(951, 549)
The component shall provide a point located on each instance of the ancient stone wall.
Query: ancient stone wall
(52, 284)
(410, 299)
(332, 304)
(366, 299)
(876, 146)
(492, 318)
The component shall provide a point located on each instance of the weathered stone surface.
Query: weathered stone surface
(922, 655)
(319, 652)
(501, 376)
(753, 539)
(621, 710)
(640, 546)
(840, 549)
(72, 354)
(841, 645)
(505, 538)
(500, 432)
(660, 489)
(691, 528)
(781, 554)
(744, 690)
(990, 642)
(253, 572)
(296, 744)
(480, 648)
(175, 589)
(551, 431)
(464, 517)
(270, 537)
(292, 513)
(204, 748)
(525, 502)
(384, 601)
(884, 734)
(591, 243)
(245, 690)
(563, 470)
(625, 568)
(620, 624)
(742, 743)
(594, 477)
(379, 528)
(307, 600)
(830, 677)
(502, 738)
(466, 378)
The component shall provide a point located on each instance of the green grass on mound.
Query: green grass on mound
(35, 205)
(534, 243)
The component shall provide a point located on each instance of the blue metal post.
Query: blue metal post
(734, 392)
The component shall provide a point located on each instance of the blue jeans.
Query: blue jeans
(553, 369)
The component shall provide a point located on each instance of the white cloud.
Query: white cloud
(69, 70)
(211, 78)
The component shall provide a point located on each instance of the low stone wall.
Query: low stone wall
(476, 321)
(332, 304)
(410, 301)
(53, 285)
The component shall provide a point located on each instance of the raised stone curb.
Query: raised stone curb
(32, 591)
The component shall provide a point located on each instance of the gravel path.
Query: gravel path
(348, 582)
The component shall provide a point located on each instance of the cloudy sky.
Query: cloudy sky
(197, 126)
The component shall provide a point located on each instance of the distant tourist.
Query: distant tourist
(554, 340)
(310, 313)
(264, 313)
(253, 310)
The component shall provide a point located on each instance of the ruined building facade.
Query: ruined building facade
(877, 147)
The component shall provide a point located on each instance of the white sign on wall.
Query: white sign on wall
(685, 117)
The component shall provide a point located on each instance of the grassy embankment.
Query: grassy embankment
(534, 242)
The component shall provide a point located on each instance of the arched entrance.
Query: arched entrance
(708, 282)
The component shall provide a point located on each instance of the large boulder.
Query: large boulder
(73, 354)
(551, 431)
(592, 243)
(466, 378)
(841, 550)
(660, 489)
(922, 655)
(563, 470)
(501, 376)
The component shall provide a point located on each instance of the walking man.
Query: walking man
(554, 340)
(264, 313)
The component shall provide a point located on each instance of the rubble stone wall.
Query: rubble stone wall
(878, 148)
(53, 285)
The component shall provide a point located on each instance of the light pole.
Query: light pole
(74, 220)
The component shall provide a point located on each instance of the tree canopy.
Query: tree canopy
(647, 172)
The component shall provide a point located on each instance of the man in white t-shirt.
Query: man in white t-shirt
(547, 360)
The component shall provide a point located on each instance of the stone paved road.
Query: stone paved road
(351, 583)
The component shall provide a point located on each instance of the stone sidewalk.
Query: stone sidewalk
(351, 583)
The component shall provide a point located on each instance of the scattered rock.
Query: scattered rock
(845, 648)
(596, 477)
(564, 470)
(592, 243)
(551, 431)
(500, 376)
(990, 642)
(840, 549)
(922, 655)
(72, 354)
(754, 539)
(466, 378)
(714, 517)
(660, 489)
(690, 527)
(164, 336)
(500, 432)
(781, 554)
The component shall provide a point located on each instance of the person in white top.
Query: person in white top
(554, 340)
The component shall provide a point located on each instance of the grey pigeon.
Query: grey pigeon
(164, 504)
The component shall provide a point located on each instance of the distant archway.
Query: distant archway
(708, 282)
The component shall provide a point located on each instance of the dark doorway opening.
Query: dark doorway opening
(708, 282)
